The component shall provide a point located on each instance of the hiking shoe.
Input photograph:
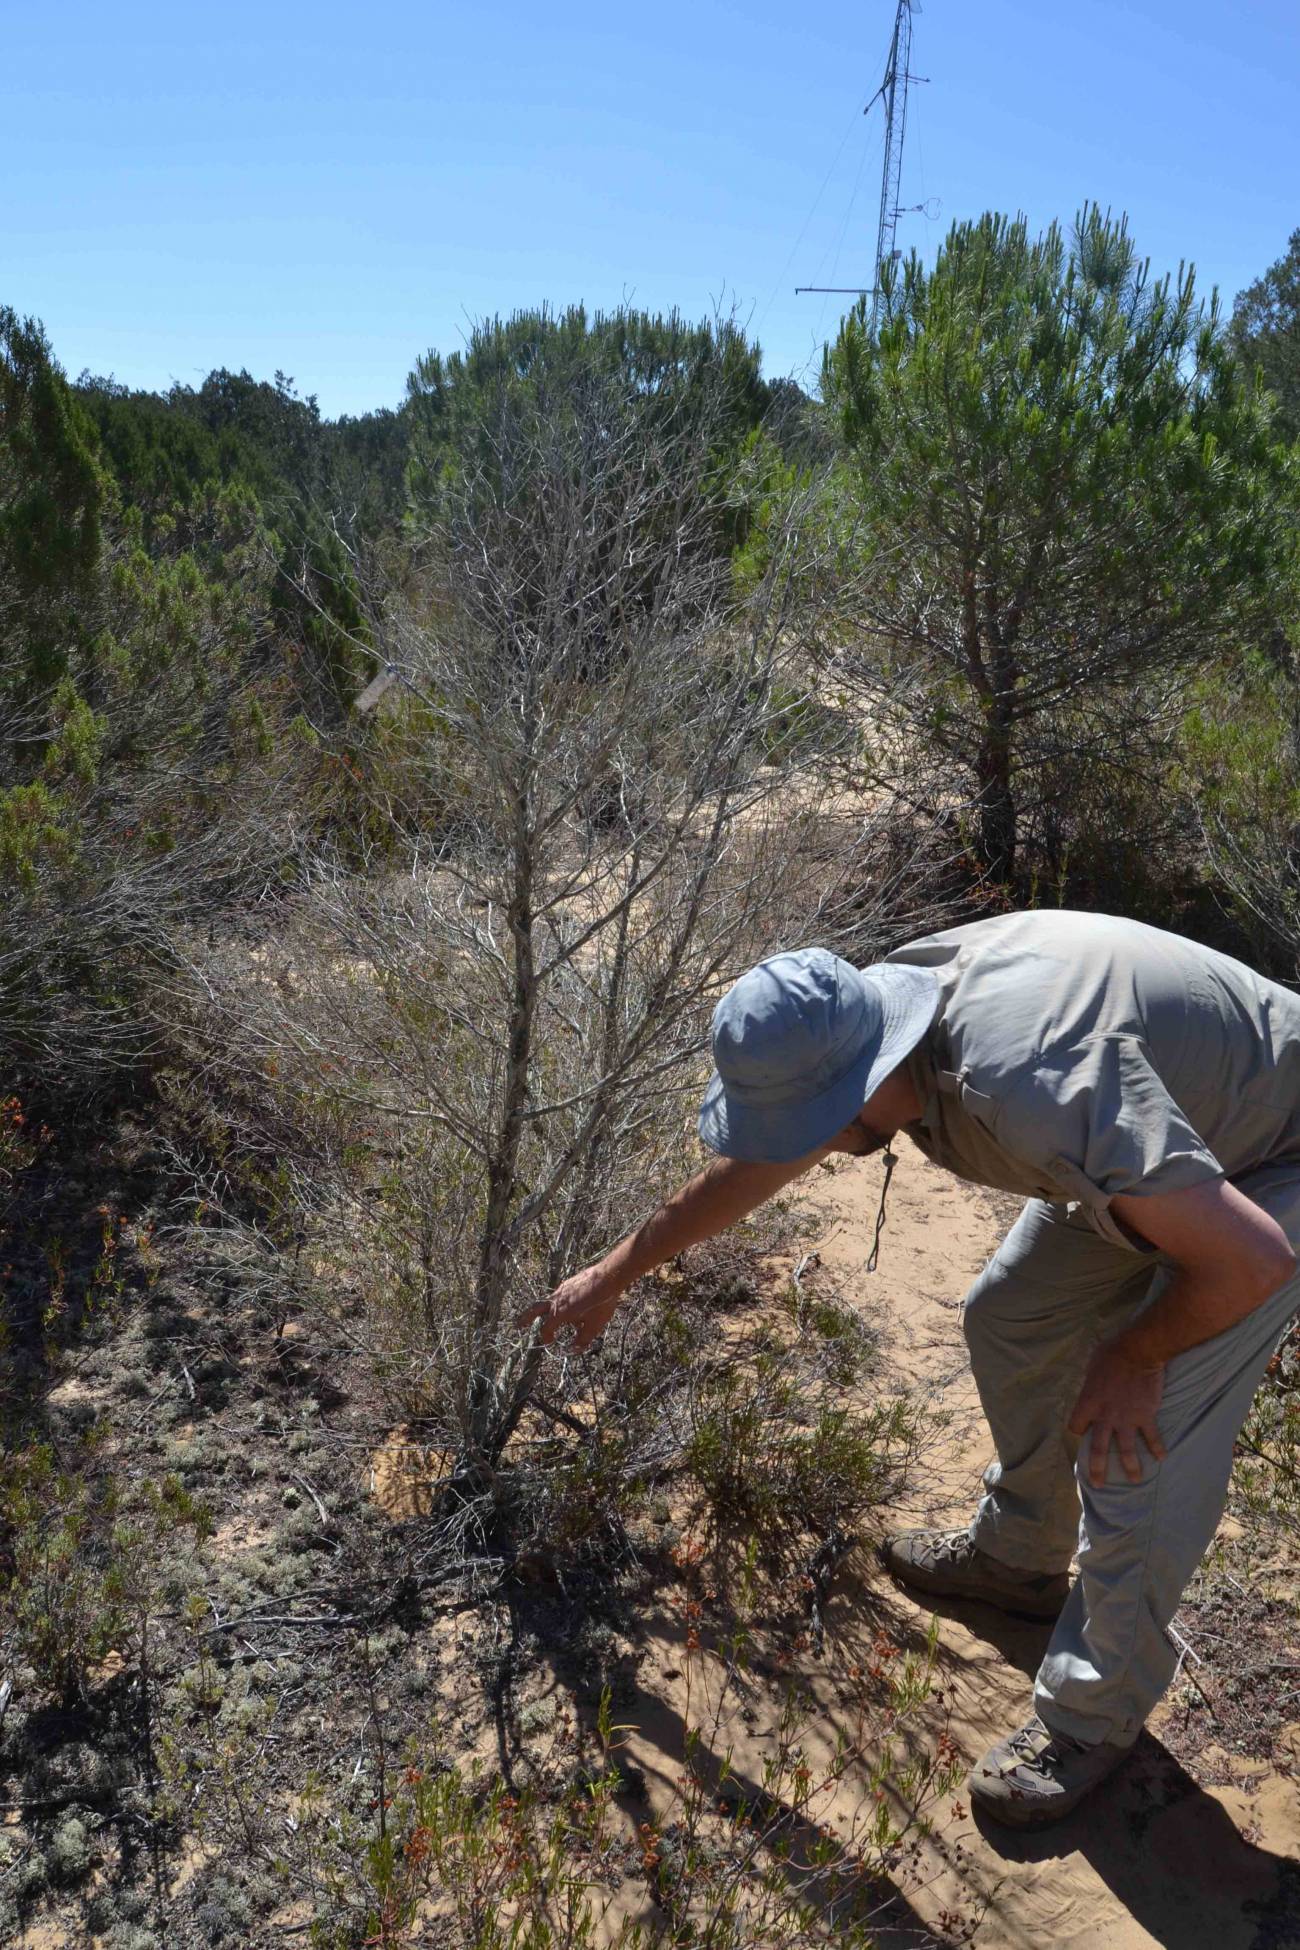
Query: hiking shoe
(948, 1563)
(1037, 1776)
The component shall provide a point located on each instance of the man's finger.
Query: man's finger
(1080, 1418)
(593, 1326)
(550, 1316)
(1128, 1455)
(1151, 1436)
(1098, 1451)
(551, 1322)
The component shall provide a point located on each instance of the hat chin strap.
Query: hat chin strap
(890, 1161)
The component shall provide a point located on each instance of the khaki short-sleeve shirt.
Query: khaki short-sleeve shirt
(1075, 1057)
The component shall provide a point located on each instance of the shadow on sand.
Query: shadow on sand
(1167, 1850)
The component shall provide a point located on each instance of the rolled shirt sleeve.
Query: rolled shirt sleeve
(1101, 1123)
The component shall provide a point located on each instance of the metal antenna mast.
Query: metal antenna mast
(893, 93)
(897, 69)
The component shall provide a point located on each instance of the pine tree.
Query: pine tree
(1265, 330)
(52, 493)
(1065, 483)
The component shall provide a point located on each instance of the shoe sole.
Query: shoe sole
(1026, 1814)
(935, 1583)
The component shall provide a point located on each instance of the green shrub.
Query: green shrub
(70, 1852)
(84, 1569)
(767, 1456)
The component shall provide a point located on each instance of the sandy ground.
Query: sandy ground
(1158, 1859)
(1159, 1856)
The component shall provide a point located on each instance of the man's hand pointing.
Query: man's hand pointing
(583, 1301)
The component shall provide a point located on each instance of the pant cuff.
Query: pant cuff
(1024, 1554)
(1090, 1730)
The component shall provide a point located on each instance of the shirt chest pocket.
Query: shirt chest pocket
(976, 1103)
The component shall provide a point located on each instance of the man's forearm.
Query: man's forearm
(1228, 1256)
(1193, 1308)
(725, 1191)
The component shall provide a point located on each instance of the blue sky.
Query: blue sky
(330, 190)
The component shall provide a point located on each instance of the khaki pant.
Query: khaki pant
(1050, 1292)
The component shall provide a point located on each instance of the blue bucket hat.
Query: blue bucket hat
(800, 1043)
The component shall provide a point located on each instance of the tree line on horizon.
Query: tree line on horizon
(1052, 534)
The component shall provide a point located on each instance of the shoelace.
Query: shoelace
(952, 1545)
(1058, 1746)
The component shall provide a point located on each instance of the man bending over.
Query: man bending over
(1143, 1094)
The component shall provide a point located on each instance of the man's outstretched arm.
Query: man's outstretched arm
(725, 1191)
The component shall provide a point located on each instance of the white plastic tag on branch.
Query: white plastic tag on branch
(382, 681)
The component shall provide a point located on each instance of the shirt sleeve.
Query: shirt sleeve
(1101, 1124)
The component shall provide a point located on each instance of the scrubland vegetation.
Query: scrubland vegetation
(332, 1040)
